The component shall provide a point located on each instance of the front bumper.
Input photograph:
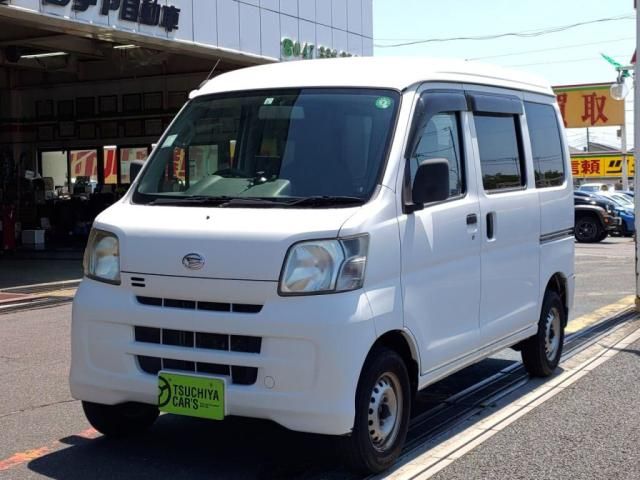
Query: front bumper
(612, 223)
(312, 348)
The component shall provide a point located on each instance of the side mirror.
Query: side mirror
(134, 169)
(432, 182)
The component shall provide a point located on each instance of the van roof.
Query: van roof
(373, 72)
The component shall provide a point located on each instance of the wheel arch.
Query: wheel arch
(558, 284)
(404, 345)
(592, 213)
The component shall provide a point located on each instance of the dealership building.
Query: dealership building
(87, 86)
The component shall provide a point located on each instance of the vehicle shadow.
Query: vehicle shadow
(627, 350)
(185, 448)
(237, 448)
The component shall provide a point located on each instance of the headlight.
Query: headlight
(325, 266)
(102, 257)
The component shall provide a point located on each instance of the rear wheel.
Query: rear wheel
(541, 353)
(123, 420)
(383, 403)
(588, 229)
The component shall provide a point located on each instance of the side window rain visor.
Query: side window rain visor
(430, 104)
(501, 104)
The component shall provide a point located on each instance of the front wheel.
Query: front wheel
(123, 420)
(541, 353)
(588, 230)
(383, 403)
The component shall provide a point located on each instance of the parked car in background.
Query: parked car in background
(596, 187)
(624, 208)
(624, 200)
(595, 218)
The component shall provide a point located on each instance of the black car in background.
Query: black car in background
(595, 217)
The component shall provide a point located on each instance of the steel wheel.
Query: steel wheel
(552, 334)
(587, 230)
(383, 408)
(385, 411)
(541, 353)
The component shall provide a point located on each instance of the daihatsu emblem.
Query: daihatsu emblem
(193, 261)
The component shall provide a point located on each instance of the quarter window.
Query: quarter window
(546, 144)
(501, 156)
(441, 139)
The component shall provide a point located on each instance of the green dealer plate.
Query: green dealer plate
(191, 395)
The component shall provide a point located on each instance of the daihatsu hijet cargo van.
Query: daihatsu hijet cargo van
(313, 242)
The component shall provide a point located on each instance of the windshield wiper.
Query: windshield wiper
(251, 202)
(256, 202)
(326, 200)
(219, 201)
(191, 201)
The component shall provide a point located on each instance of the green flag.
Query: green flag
(611, 60)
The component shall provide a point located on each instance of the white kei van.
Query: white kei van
(313, 242)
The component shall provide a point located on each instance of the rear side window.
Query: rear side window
(546, 144)
(501, 158)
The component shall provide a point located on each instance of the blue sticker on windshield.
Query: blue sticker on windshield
(383, 103)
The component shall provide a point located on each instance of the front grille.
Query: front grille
(239, 375)
(207, 341)
(201, 340)
(138, 282)
(197, 305)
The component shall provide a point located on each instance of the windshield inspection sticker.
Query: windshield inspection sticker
(169, 141)
(269, 101)
(383, 103)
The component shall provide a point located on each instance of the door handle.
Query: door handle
(472, 219)
(491, 218)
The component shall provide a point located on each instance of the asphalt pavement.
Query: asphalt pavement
(588, 431)
(36, 267)
(605, 272)
(43, 433)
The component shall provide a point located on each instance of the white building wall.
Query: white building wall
(249, 26)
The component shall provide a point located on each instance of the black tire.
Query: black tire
(538, 356)
(383, 371)
(120, 421)
(588, 229)
(602, 236)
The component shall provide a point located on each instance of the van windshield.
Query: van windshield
(303, 147)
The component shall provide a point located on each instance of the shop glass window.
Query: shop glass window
(546, 144)
(84, 170)
(127, 155)
(110, 167)
(441, 139)
(54, 167)
(501, 158)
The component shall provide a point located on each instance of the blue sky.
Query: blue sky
(569, 57)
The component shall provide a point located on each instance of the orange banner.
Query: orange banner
(84, 164)
(110, 166)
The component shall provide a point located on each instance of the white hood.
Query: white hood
(236, 243)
